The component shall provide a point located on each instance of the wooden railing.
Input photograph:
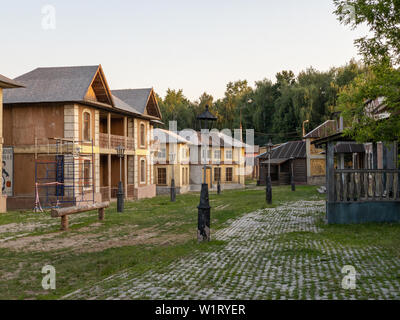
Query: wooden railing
(115, 141)
(366, 185)
(103, 138)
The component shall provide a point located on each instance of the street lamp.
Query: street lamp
(120, 194)
(269, 147)
(172, 190)
(292, 175)
(219, 180)
(203, 222)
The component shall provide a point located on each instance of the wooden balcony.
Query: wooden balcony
(366, 185)
(115, 141)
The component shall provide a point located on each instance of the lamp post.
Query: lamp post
(269, 186)
(203, 222)
(173, 190)
(292, 175)
(219, 180)
(120, 194)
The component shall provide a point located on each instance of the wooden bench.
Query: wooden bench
(63, 213)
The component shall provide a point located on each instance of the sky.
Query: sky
(197, 46)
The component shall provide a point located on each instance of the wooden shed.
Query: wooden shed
(282, 159)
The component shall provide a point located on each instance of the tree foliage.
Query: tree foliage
(381, 51)
(273, 109)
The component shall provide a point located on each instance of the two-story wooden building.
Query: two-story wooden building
(172, 161)
(65, 126)
(5, 83)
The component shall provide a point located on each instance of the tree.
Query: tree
(383, 19)
(381, 53)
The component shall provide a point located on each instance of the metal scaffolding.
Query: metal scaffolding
(66, 176)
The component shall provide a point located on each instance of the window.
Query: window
(142, 135)
(187, 175)
(86, 174)
(183, 152)
(162, 176)
(163, 153)
(183, 176)
(217, 154)
(228, 154)
(217, 174)
(229, 174)
(142, 171)
(86, 126)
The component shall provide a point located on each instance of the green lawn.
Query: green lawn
(148, 235)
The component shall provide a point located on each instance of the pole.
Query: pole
(120, 194)
(173, 190)
(292, 178)
(269, 187)
(203, 217)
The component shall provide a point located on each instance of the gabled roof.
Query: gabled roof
(166, 136)
(324, 130)
(60, 84)
(139, 100)
(217, 138)
(7, 83)
(295, 149)
(118, 103)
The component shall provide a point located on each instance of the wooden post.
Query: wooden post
(109, 175)
(101, 214)
(330, 179)
(64, 223)
(374, 156)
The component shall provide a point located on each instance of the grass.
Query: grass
(20, 271)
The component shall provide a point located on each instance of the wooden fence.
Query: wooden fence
(355, 185)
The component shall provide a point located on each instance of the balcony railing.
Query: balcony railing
(115, 141)
(366, 185)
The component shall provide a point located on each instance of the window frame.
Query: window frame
(164, 182)
(143, 181)
(231, 174)
(142, 135)
(89, 124)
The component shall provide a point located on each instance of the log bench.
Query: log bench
(63, 213)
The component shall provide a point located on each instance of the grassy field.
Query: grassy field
(150, 234)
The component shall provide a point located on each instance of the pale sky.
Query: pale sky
(196, 46)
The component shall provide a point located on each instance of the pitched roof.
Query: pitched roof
(55, 84)
(166, 136)
(118, 103)
(323, 130)
(349, 147)
(8, 83)
(136, 98)
(295, 149)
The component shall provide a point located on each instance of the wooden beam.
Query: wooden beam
(57, 213)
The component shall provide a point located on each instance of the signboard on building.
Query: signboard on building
(8, 171)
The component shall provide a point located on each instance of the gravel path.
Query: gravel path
(258, 262)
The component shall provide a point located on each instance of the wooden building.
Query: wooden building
(5, 83)
(171, 161)
(69, 115)
(283, 158)
(224, 157)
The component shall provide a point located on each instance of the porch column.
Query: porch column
(126, 176)
(109, 175)
(330, 161)
(126, 132)
(109, 130)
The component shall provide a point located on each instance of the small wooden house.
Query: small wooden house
(283, 158)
